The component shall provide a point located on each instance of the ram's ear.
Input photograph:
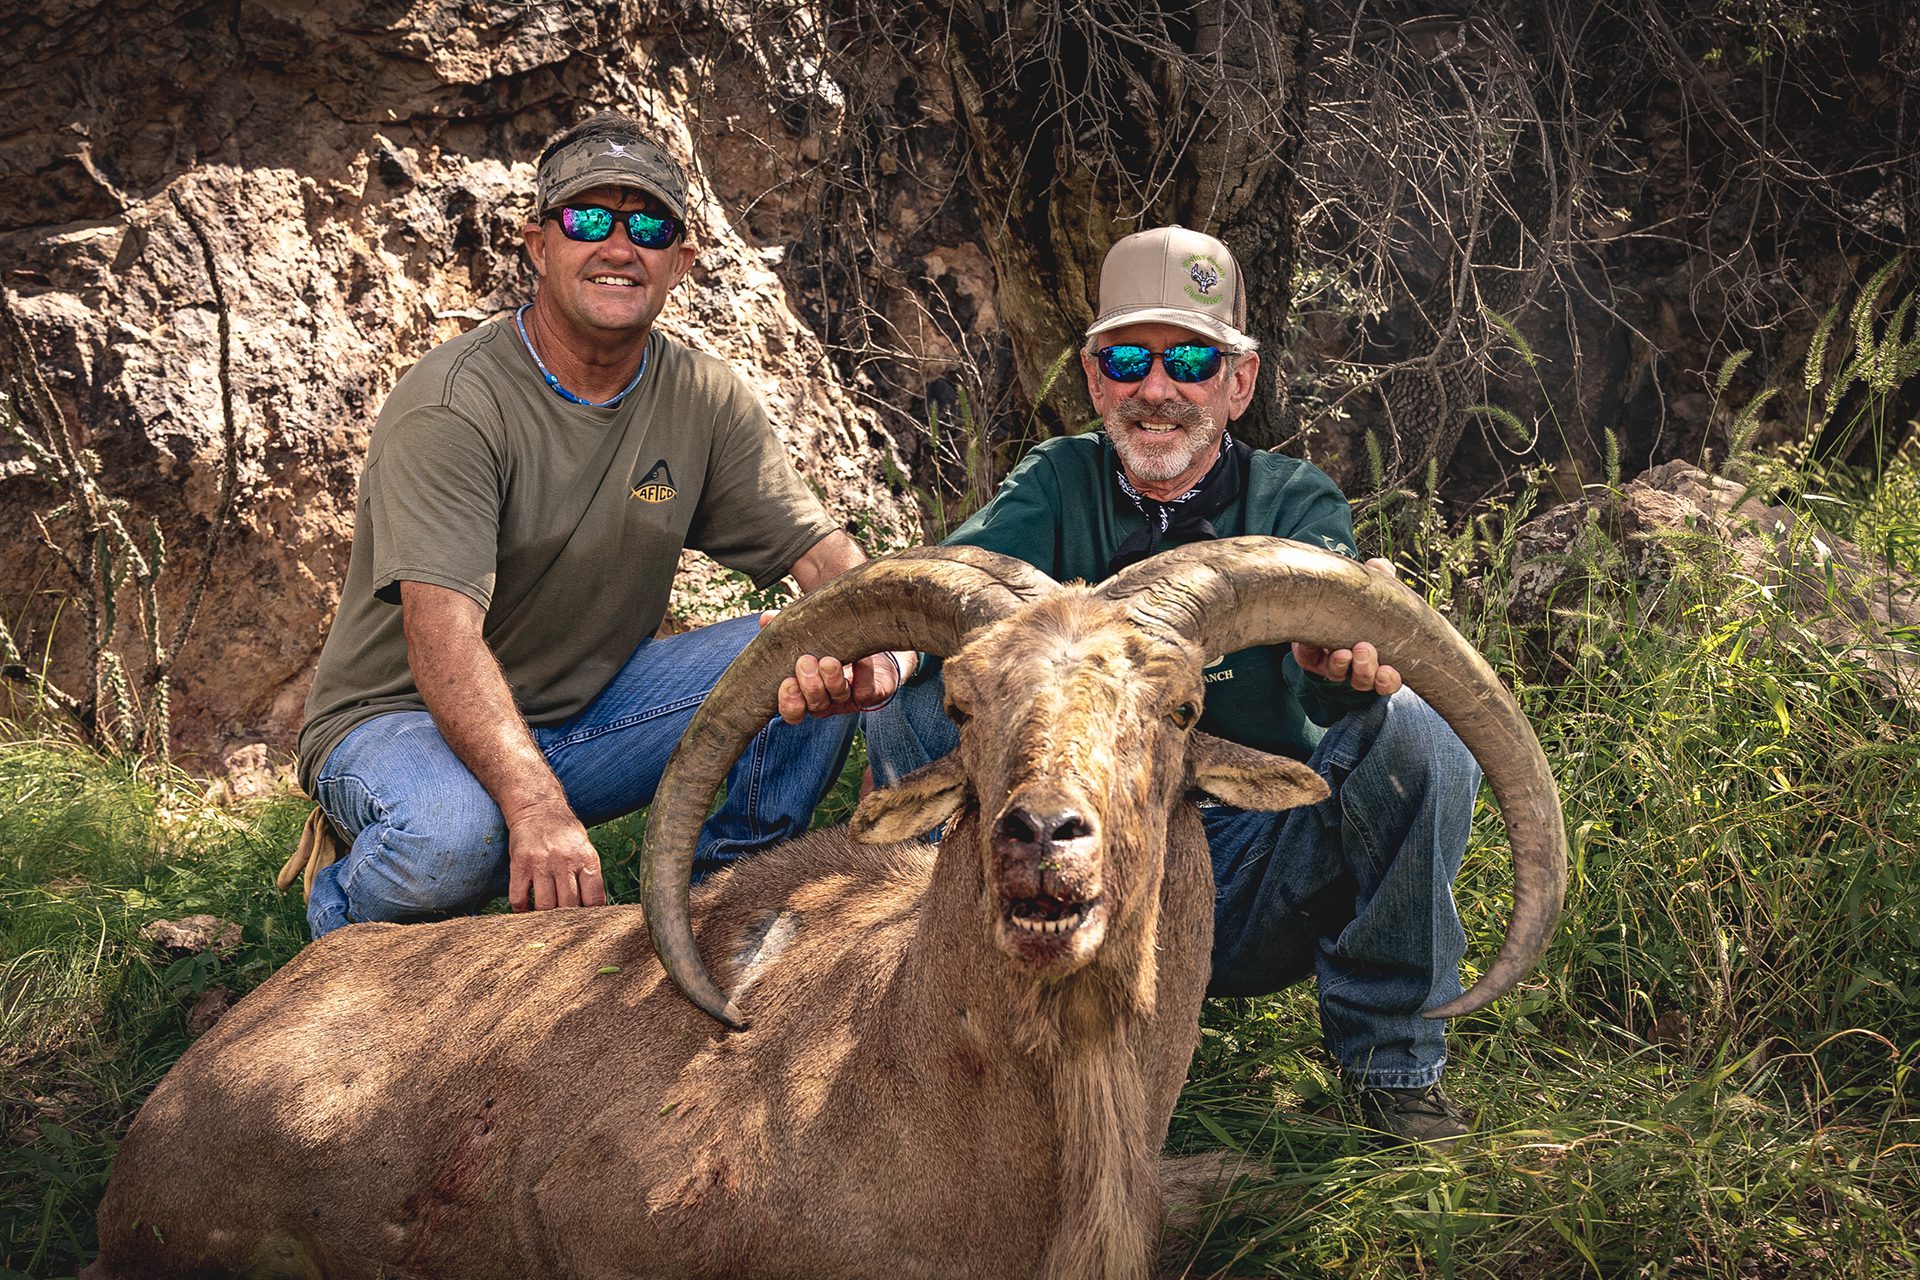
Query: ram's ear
(1250, 779)
(917, 803)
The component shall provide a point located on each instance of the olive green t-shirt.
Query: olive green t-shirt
(1059, 510)
(565, 523)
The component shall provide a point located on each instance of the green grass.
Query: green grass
(91, 1017)
(1712, 1074)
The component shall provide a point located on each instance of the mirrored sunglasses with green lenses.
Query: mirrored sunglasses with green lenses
(1186, 362)
(593, 223)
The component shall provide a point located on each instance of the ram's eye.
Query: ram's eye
(1184, 715)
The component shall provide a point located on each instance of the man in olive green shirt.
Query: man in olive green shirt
(1356, 890)
(490, 686)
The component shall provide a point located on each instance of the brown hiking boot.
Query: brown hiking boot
(1421, 1116)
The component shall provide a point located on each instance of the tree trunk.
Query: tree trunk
(1078, 137)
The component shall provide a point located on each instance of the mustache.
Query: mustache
(1181, 413)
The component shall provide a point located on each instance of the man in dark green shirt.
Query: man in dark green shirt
(1356, 890)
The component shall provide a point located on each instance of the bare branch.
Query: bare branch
(229, 450)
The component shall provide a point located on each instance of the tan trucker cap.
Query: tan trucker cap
(1175, 276)
(592, 162)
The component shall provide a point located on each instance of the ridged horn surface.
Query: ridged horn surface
(927, 599)
(1239, 593)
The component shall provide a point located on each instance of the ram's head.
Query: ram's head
(1076, 708)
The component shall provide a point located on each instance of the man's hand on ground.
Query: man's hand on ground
(551, 863)
(1357, 666)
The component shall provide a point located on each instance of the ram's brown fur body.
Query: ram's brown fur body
(483, 1097)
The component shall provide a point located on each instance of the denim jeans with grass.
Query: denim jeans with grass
(428, 841)
(1356, 890)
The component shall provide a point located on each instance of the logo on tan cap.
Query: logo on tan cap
(1205, 274)
(1171, 275)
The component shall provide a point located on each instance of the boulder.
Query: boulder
(1677, 518)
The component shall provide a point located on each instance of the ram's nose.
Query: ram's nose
(1041, 829)
(1044, 842)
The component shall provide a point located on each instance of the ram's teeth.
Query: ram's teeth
(1065, 924)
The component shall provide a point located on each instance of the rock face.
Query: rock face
(362, 169)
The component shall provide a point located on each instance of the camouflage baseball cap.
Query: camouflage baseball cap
(1174, 276)
(592, 162)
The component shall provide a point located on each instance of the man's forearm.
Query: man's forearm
(471, 703)
(828, 558)
(550, 860)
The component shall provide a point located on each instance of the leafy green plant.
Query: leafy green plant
(1878, 357)
(1712, 1072)
(1876, 506)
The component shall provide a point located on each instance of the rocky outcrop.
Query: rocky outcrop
(1677, 519)
(362, 169)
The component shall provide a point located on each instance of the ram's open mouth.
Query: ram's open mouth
(1049, 915)
(1052, 937)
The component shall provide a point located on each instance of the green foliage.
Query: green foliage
(946, 502)
(1879, 357)
(1518, 435)
(1876, 506)
(1711, 1074)
(1513, 335)
(1883, 518)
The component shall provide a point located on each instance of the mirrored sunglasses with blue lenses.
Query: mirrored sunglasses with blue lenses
(593, 223)
(1186, 362)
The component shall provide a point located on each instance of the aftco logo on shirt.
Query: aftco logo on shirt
(656, 485)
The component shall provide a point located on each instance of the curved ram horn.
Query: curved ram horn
(1237, 593)
(927, 599)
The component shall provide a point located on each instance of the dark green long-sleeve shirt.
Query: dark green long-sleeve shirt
(1059, 511)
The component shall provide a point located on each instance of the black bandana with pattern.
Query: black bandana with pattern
(1187, 518)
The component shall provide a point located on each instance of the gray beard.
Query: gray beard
(1200, 432)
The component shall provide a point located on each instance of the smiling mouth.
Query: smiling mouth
(1158, 428)
(619, 281)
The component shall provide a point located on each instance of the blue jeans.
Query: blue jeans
(428, 840)
(1356, 890)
